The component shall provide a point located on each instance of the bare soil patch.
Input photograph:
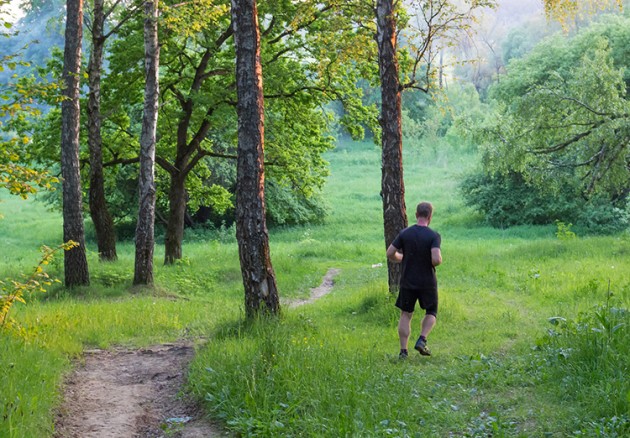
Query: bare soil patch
(123, 393)
(317, 292)
(132, 393)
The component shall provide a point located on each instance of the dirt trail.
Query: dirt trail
(129, 394)
(137, 393)
(317, 292)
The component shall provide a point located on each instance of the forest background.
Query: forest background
(533, 222)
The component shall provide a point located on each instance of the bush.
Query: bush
(289, 207)
(507, 200)
(602, 216)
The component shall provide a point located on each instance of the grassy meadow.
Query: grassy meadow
(532, 336)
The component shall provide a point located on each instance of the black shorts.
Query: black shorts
(428, 299)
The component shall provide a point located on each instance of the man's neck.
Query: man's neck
(423, 222)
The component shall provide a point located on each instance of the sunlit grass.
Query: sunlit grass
(331, 368)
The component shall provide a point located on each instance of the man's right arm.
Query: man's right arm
(393, 254)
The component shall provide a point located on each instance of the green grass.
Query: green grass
(331, 368)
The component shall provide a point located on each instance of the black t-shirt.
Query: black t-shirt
(415, 243)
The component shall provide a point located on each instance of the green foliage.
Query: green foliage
(602, 217)
(594, 347)
(507, 200)
(555, 145)
(18, 95)
(563, 231)
(16, 291)
(518, 43)
(303, 72)
(285, 207)
(563, 113)
(445, 119)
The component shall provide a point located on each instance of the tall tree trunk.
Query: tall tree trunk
(75, 261)
(176, 212)
(145, 241)
(392, 184)
(259, 280)
(103, 223)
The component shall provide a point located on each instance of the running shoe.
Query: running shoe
(421, 347)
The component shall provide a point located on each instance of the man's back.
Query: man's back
(416, 243)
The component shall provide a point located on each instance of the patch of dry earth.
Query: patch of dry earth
(137, 393)
(131, 393)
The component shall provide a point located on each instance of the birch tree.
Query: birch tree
(75, 260)
(259, 280)
(145, 241)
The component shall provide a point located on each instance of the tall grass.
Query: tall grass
(591, 353)
(331, 368)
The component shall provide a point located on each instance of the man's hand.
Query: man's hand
(394, 255)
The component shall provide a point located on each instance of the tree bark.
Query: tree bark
(392, 183)
(259, 281)
(75, 260)
(145, 240)
(176, 212)
(102, 219)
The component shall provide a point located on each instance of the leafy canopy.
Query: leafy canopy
(563, 113)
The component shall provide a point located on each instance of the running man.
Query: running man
(418, 249)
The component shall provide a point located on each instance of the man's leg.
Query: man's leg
(404, 328)
(428, 322)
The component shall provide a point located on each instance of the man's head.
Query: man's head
(424, 210)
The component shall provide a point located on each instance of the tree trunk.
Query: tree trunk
(176, 212)
(103, 223)
(259, 281)
(145, 240)
(392, 184)
(75, 261)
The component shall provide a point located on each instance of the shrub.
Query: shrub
(290, 207)
(602, 216)
(507, 200)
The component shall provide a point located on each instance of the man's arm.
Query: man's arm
(436, 256)
(394, 255)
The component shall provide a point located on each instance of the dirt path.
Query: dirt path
(137, 393)
(317, 292)
(129, 394)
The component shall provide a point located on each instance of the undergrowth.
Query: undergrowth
(589, 356)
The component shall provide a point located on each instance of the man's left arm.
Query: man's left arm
(436, 256)
(436, 253)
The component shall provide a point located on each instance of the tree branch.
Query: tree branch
(304, 25)
(164, 164)
(126, 18)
